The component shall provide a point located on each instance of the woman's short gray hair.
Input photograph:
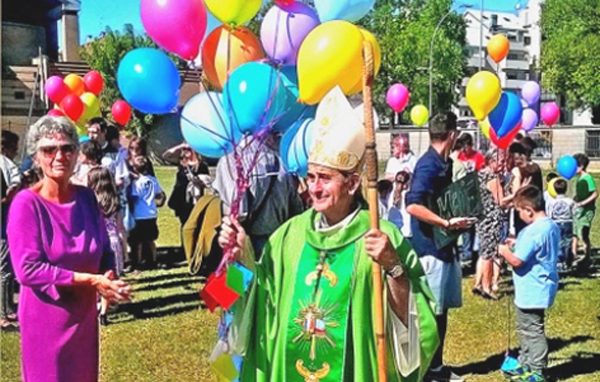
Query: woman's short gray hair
(46, 127)
(491, 154)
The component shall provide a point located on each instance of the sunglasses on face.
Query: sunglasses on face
(65, 149)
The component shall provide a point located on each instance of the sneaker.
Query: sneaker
(103, 319)
(512, 368)
(534, 376)
(442, 375)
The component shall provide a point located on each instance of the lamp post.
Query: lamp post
(439, 24)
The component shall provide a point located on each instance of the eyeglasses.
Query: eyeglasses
(66, 149)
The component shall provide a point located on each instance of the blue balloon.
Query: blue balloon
(255, 97)
(567, 166)
(149, 81)
(205, 126)
(295, 147)
(507, 114)
(350, 10)
(296, 110)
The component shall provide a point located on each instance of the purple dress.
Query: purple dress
(59, 326)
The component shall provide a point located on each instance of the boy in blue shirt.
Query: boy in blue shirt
(534, 259)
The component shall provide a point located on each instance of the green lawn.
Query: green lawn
(163, 335)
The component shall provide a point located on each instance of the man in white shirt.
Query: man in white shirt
(112, 158)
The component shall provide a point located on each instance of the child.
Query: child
(90, 155)
(535, 277)
(146, 195)
(100, 181)
(561, 211)
(585, 206)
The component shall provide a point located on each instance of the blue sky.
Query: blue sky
(97, 14)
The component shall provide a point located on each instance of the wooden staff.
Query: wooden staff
(371, 164)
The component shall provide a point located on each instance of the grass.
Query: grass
(164, 335)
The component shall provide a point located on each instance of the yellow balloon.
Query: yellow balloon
(483, 93)
(485, 128)
(91, 107)
(551, 190)
(368, 36)
(81, 130)
(330, 56)
(233, 12)
(419, 115)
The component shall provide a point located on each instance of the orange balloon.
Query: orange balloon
(498, 47)
(243, 45)
(75, 83)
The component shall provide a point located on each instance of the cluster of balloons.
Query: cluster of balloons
(502, 114)
(75, 97)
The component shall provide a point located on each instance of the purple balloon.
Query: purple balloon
(284, 28)
(530, 92)
(529, 120)
(397, 97)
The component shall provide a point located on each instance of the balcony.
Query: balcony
(517, 64)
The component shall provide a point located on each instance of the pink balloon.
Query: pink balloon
(56, 89)
(55, 113)
(550, 113)
(397, 97)
(177, 26)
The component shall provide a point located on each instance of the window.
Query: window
(527, 40)
(543, 141)
(592, 143)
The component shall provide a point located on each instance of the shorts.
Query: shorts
(145, 230)
(583, 219)
(445, 281)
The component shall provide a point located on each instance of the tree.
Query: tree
(104, 54)
(570, 50)
(404, 29)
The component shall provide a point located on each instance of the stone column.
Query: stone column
(70, 30)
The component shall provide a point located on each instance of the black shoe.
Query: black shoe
(128, 269)
(443, 375)
(103, 319)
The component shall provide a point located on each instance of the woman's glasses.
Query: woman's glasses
(66, 149)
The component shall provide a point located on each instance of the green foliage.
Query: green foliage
(404, 29)
(104, 54)
(570, 50)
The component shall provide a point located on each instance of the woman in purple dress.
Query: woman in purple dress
(61, 255)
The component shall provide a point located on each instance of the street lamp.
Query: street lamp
(439, 24)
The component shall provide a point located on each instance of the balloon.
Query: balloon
(483, 93)
(295, 146)
(243, 46)
(205, 126)
(397, 97)
(506, 115)
(234, 12)
(177, 26)
(529, 119)
(550, 113)
(75, 83)
(485, 128)
(530, 92)
(81, 131)
(284, 28)
(296, 110)
(350, 10)
(566, 167)
(368, 36)
(504, 142)
(94, 82)
(72, 106)
(55, 113)
(254, 95)
(84, 138)
(149, 81)
(56, 89)
(551, 190)
(92, 107)
(121, 112)
(498, 47)
(419, 115)
(331, 55)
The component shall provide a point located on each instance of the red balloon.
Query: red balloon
(506, 140)
(56, 113)
(121, 112)
(72, 106)
(94, 82)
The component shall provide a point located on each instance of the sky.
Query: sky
(95, 15)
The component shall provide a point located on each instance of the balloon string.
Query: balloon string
(199, 126)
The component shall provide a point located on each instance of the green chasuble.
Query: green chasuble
(309, 315)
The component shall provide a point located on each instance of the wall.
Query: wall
(20, 43)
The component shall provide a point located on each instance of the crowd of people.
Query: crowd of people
(83, 214)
